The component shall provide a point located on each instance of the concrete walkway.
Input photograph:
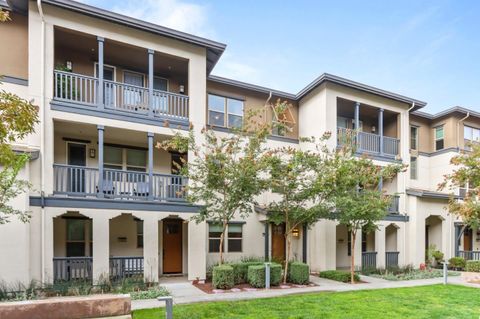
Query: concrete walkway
(184, 292)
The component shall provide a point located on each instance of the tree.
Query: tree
(301, 189)
(359, 204)
(17, 119)
(465, 175)
(224, 174)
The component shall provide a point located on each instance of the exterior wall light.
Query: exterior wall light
(295, 232)
(93, 153)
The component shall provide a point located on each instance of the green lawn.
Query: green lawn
(419, 302)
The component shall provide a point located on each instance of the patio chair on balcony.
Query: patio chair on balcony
(108, 188)
(142, 189)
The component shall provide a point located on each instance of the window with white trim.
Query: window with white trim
(439, 138)
(235, 238)
(413, 167)
(471, 135)
(214, 234)
(224, 111)
(413, 137)
(123, 158)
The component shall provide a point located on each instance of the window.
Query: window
(413, 137)
(235, 238)
(471, 135)
(349, 243)
(113, 157)
(225, 112)
(413, 167)
(139, 233)
(75, 237)
(278, 129)
(439, 138)
(136, 160)
(364, 241)
(214, 233)
(125, 158)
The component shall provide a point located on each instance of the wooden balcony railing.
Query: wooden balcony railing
(119, 97)
(83, 181)
(368, 142)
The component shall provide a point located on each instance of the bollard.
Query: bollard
(267, 275)
(168, 306)
(445, 273)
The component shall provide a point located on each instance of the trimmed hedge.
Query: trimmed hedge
(298, 273)
(457, 263)
(223, 277)
(338, 275)
(256, 275)
(473, 266)
(240, 271)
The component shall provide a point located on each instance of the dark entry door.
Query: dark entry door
(172, 246)
(278, 242)
(467, 239)
(76, 172)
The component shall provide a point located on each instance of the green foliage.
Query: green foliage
(411, 274)
(224, 170)
(223, 277)
(256, 275)
(473, 266)
(4, 16)
(438, 256)
(457, 263)
(150, 293)
(338, 275)
(466, 173)
(240, 270)
(298, 273)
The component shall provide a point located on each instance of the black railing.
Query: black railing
(369, 260)
(125, 266)
(72, 268)
(391, 259)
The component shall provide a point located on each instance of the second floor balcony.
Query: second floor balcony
(106, 78)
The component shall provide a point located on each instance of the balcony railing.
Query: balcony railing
(369, 260)
(391, 259)
(394, 207)
(83, 181)
(368, 142)
(121, 97)
(469, 254)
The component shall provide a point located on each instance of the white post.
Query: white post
(150, 249)
(380, 246)
(358, 250)
(101, 248)
(445, 273)
(267, 275)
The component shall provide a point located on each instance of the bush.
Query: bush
(151, 293)
(338, 275)
(240, 271)
(473, 265)
(298, 273)
(223, 277)
(457, 263)
(256, 275)
(438, 256)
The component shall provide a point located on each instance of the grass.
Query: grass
(436, 301)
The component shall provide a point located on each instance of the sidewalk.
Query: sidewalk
(185, 292)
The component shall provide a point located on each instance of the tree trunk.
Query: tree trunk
(352, 256)
(222, 236)
(287, 255)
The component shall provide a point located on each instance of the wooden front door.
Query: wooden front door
(278, 242)
(467, 239)
(172, 246)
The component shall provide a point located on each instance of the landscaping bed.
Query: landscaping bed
(208, 288)
(408, 273)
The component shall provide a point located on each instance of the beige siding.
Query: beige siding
(14, 52)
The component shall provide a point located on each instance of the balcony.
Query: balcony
(372, 130)
(110, 79)
(84, 181)
(119, 97)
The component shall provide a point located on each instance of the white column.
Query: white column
(48, 248)
(150, 82)
(100, 100)
(401, 244)
(101, 247)
(358, 250)
(380, 246)
(197, 250)
(150, 249)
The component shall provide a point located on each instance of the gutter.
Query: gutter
(458, 128)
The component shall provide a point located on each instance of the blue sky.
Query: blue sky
(429, 50)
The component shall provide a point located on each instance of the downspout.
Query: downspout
(458, 129)
(407, 122)
(42, 135)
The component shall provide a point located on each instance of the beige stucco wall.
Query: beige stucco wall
(14, 34)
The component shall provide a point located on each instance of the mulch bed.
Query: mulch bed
(207, 288)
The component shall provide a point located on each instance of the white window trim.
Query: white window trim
(163, 78)
(442, 126)
(144, 80)
(225, 109)
(124, 159)
(66, 151)
(416, 137)
(107, 65)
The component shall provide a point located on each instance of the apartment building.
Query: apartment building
(105, 201)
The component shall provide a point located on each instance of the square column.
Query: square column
(197, 251)
(357, 121)
(101, 178)
(380, 246)
(358, 250)
(150, 165)
(100, 101)
(150, 82)
(48, 248)
(150, 249)
(101, 248)
(401, 244)
(380, 129)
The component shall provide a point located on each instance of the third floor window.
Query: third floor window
(413, 137)
(224, 111)
(439, 138)
(471, 133)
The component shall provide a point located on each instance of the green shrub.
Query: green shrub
(438, 256)
(338, 275)
(457, 263)
(256, 275)
(223, 277)
(298, 273)
(151, 293)
(240, 271)
(473, 265)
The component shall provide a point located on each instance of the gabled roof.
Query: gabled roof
(214, 49)
(455, 109)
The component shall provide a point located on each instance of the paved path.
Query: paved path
(185, 292)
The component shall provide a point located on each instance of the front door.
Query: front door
(172, 246)
(467, 239)
(278, 242)
(76, 173)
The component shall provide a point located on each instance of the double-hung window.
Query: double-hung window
(235, 238)
(439, 138)
(113, 157)
(225, 112)
(413, 137)
(413, 167)
(214, 234)
(76, 239)
(139, 233)
(471, 135)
